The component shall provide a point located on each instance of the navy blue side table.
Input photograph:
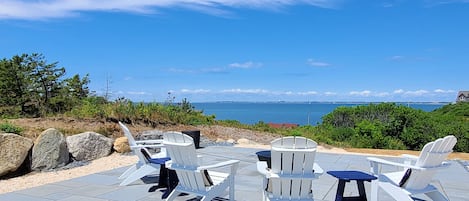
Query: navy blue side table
(265, 156)
(346, 176)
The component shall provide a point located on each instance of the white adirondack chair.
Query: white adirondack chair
(136, 146)
(417, 173)
(293, 169)
(192, 175)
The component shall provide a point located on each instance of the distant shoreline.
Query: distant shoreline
(329, 102)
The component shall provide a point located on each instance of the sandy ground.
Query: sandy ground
(33, 179)
(110, 162)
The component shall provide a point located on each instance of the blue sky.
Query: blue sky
(250, 50)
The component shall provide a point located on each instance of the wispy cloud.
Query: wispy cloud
(422, 92)
(49, 9)
(248, 64)
(195, 91)
(396, 58)
(181, 70)
(245, 91)
(138, 93)
(409, 58)
(316, 63)
(214, 70)
(361, 93)
(217, 70)
(416, 93)
(398, 91)
(443, 91)
(308, 93)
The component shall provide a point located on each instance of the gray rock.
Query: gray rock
(89, 146)
(14, 150)
(50, 150)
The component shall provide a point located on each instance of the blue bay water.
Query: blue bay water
(283, 112)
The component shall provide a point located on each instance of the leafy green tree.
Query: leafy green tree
(33, 87)
(15, 82)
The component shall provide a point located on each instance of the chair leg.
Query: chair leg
(232, 188)
(374, 190)
(139, 173)
(436, 196)
(128, 171)
(172, 195)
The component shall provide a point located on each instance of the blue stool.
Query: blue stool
(346, 176)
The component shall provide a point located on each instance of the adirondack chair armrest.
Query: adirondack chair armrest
(262, 167)
(264, 170)
(377, 162)
(233, 163)
(317, 169)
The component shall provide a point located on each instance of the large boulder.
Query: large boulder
(89, 146)
(121, 145)
(14, 149)
(50, 150)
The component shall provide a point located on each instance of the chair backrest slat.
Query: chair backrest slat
(432, 155)
(292, 157)
(181, 149)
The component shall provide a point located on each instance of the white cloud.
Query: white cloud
(398, 91)
(308, 93)
(247, 91)
(316, 63)
(138, 93)
(382, 94)
(213, 70)
(180, 70)
(328, 93)
(416, 93)
(397, 58)
(47, 9)
(195, 91)
(248, 64)
(361, 93)
(443, 91)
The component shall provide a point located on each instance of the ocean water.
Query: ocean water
(283, 112)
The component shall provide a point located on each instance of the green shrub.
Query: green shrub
(10, 128)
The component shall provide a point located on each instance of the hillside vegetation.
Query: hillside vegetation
(31, 87)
